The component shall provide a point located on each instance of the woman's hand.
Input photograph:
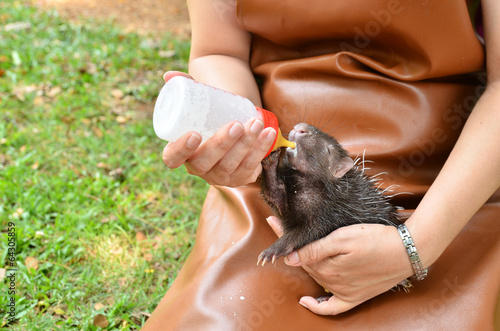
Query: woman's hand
(231, 157)
(355, 263)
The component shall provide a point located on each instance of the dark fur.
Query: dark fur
(317, 191)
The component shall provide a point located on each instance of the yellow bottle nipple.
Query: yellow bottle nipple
(282, 142)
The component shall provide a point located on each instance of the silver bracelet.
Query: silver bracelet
(420, 272)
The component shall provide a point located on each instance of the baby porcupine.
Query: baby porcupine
(315, 189)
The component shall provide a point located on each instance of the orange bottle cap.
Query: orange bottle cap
(270, 120)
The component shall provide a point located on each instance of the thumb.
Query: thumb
(172, 74)
(275, 224)
(333, 306)
(315, 251)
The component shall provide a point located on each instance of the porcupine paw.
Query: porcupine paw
(267, 256)
(323, 298)
(271, 161)
(271, 254)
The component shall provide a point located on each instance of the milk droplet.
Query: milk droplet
(242, 298)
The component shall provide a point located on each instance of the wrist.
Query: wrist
(418, 270)
(426, 236)
(402, 264)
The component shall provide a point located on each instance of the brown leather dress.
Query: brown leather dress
(394, 79)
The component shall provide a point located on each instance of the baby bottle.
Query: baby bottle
(185, 105)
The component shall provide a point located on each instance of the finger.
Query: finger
(275, 224)
(333, 306)
(316, 251)
(255, 174)
(170, 74)
(247, 170)
(231, 161)
(259, 150)
(176, 153)
(215, 148)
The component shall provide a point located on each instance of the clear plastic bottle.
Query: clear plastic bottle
(185, 105)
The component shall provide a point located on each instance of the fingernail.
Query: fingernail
(236, 130)
(303, 304)
(271, 222)
(271, 136)
(193, 141)
(257, 126)
(292, 259)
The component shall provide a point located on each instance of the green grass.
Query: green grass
(104, 224)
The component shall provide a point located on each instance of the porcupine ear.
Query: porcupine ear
(345, 164)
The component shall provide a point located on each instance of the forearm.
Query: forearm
(220, 48)
(227, 72)
(469, 177)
